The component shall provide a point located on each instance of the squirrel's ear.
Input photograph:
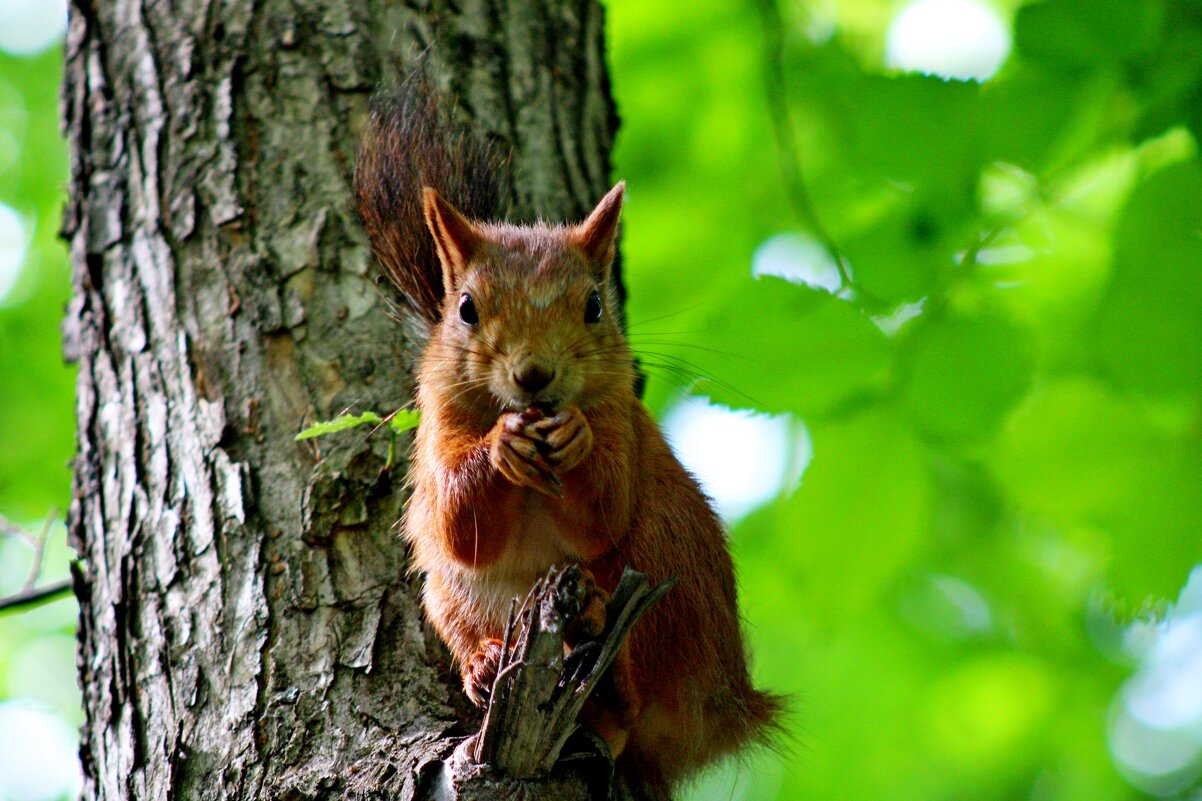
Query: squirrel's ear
(597, 236)
(455, 238)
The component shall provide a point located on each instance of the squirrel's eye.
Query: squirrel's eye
(592, 309)
(467, 309)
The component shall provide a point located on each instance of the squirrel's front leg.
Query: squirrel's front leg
(593, 464)
(517, 453)
(565, 439)
(476, 494)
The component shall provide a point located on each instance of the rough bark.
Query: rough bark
(247, 626)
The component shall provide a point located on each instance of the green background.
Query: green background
(974, 590)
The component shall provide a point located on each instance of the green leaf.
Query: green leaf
(919, 184)
(404, 420)
(1087, 32)
(1087, 459)
(1062, 117)
(1075, 452)
(1155, 539)
(901, 256)
(1147, 334)
(962, 374)
(860, 516)
(782, 347)
(1170, 83)
(894, 188)
(342, 422)
(900, 124)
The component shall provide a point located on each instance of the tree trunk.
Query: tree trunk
(247, 626)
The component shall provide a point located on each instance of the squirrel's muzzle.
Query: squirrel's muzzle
(533, 378)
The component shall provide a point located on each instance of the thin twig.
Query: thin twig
(786, 142)
(36, 597)
(11, 529)
(939, 299)
(39, 552)
(31, 594)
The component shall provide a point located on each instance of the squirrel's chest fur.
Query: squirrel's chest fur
(484, 589)
(533, 543)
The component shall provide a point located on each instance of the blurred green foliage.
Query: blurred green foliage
(1004, 402)
(36, 388)
(38, 694)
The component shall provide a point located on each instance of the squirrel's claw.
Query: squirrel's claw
(480, 671)
(565, 439)
(521, 460)
(580, 660)
(551, 485)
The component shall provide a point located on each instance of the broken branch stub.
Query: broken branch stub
(538, 693)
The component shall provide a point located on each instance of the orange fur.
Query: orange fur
(510, 480)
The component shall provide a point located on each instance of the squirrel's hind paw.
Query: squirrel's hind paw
(584, 608)
(480, 671)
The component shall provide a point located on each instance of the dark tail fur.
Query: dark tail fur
(412, 141)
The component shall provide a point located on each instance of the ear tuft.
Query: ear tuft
(455, 238)
(597, 235)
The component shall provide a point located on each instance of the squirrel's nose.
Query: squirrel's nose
(533, 377)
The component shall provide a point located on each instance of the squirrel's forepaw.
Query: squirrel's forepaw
(480, 671)
(566, 438)
(518, 458)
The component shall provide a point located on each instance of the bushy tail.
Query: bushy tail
(412, 141)
(765, 717)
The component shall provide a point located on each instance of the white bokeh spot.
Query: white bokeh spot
(1166, 693)
(30, 26)
(962, 39)
(1156, 731)
(797, 258)
(38, 760)
(741, 459)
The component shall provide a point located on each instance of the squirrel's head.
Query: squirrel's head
(530, 313)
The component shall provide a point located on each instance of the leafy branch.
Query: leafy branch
(398, 422)
(786, 141)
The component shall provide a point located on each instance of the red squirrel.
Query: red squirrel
(534, 449)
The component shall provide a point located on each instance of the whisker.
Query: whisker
(468, 387)
(691, 369)
(691, 332)
(631, 325)
(351, 405)
(703, 348)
